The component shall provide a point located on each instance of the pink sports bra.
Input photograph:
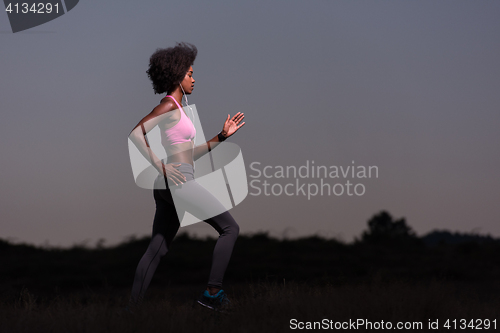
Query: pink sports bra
(183, 131)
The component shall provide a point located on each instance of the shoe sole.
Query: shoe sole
(212, 308)
(206, 305)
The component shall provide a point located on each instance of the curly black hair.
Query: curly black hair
(167, 67)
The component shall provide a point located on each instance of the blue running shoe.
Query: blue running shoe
(218, 302)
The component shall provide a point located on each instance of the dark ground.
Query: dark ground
(388, 274)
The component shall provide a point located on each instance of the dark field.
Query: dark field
(388, 275)
(260, 307)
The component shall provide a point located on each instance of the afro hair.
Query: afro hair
(168, 67)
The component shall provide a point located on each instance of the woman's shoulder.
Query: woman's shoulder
(166, 105)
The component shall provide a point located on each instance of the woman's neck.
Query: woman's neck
(177, 94)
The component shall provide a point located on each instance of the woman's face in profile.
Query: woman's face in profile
(188, 82)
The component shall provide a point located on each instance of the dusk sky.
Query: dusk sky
(411, 87)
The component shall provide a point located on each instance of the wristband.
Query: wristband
(221, 137)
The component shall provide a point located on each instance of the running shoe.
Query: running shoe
(218, 302)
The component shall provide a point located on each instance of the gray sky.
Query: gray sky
(408, 86)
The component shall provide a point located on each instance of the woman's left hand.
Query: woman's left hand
(233, 124)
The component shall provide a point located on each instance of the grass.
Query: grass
(263, 306)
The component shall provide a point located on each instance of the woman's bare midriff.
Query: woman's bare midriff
(181, 152)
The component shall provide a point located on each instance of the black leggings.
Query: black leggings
(166, 224)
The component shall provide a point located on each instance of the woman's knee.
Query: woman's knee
(232, 227)
(236, 228)
(224, 224)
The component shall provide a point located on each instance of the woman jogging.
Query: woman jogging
(171, 72)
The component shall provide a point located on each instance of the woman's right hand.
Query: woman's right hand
(174, 175)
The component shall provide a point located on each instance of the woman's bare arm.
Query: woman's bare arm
(204, 148)
(138, 134)
(229, 128)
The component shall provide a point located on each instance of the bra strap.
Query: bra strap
(180, 107)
